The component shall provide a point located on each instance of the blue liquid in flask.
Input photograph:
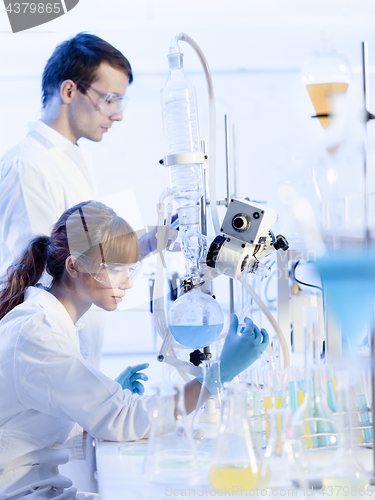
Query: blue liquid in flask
(349, 282)
(196, 336)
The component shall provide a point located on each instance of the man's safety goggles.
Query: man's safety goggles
(111, 104)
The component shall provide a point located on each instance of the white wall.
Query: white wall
(255, 51)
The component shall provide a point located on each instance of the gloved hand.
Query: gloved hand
(239, 351)
(148, 242)
(128, 379)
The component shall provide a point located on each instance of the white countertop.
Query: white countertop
(120, 478)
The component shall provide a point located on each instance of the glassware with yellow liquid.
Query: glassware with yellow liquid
(236, 463)
(326, 75)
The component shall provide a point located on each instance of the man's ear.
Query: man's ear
(67, 90)
(70, 266)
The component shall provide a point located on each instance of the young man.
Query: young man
(83, 94)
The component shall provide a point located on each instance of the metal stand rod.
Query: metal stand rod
(229, 196)
(368, 117)
(204, 196)
(373, 398)
(366, 95)
(235, 160)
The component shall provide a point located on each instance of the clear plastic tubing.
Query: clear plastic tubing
(212, 140)
(271, 319)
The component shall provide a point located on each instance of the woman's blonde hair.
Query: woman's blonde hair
(90, 231)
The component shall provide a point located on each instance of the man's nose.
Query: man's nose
(117, 117)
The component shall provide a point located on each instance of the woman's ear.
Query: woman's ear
(71, 267)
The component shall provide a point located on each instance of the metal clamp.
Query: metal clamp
(183, 159)
(192, 282)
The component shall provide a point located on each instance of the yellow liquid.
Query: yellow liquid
(300, 397)
(267, 406)
(307, 430)
(233, 478)
(320, 94)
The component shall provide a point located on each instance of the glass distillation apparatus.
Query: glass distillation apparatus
(195, 319)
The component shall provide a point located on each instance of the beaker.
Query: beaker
(314, 430)
(171, 458)
(274, 392)
(236, 463)
(195, 319)
(207, 415)
(345, 476)
(279, 467)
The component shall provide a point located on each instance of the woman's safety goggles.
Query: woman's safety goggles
(117, 275)
(111, 104)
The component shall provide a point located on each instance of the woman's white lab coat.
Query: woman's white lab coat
(46, 388)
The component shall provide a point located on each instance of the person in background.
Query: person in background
(48, 392)
(83, 94)
(84, 84)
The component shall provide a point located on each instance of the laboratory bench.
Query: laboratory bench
(119, 474)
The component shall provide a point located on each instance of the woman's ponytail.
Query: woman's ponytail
(23, 273)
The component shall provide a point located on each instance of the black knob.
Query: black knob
(196, 357)
(281, 243)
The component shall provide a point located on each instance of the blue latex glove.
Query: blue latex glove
(148, 242)
(239, 351)
(128, 379)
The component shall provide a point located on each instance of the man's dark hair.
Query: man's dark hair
(78, 59)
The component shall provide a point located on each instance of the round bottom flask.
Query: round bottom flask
(195, 319)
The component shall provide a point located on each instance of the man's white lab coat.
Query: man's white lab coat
(46, 388)
(39, 179)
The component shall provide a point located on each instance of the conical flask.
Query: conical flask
(171, 458)
(195, 319)
(345, 476)
(236, 463)
(207, 415)
(279, 467)
(314, 431)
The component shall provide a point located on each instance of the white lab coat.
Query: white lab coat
(46, 388)
(39, 179)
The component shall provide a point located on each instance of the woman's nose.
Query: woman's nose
(126, 284)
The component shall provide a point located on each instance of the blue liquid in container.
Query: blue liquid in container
(195, 336)
(349, 281)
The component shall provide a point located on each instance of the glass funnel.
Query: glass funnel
(326, 73)
(348, 280)
(236, 463)
(171, 458)
(195, 319)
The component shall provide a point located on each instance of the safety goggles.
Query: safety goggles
(111, 104)
(117, 275)
(109, 274)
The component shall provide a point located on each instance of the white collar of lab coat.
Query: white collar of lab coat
(49, 302)
(50, 138)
